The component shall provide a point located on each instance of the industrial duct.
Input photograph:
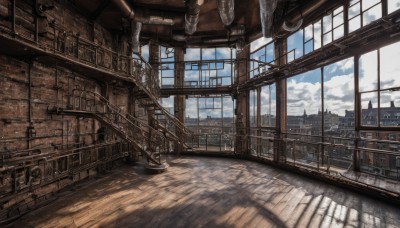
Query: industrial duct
(136, 27)
(292, 27)
(267, 9)
(226, 10)
(192, 15)
(148, 16)
(294, 21)
(125, 8)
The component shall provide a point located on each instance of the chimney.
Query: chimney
(392, 104)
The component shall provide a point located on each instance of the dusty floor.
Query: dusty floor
(211, 192)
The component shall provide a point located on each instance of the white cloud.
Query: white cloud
(339, 94)
(192, 54)
(259, 43)
(145, 52)
(303, 96)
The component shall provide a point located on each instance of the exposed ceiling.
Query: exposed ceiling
(210, 29)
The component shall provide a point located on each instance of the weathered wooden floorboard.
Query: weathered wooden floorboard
(210, 192)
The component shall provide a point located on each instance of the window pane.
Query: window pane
(338, 10)
(308, 47)
(354, 10)
(390, 108)
(168, 104)
(327, 38)
(338, 20)
(368, 71)
(393, 5)
(145, 52)
(327, 23)
(352, 2)
(304, 103)
(253, 108)
(369, 109)
(354, 24)
(223, 53)
(389, 66)
(270, 53)
(208, 54)
(317, 35)
(192, 54)
(338, 32)
(308, 33)
(339, 88)
(268, 100)
(372, 14)
(295, 45)
(368, 3)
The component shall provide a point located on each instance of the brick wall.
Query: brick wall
(29, 89)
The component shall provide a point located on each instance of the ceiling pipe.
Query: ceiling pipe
(293, 21)
(226, 10)
(158, 17)
(136, 27)
(125, 8)
(304, 10)
(148, 16)
(192, 15)
(292, 27)
(267, 9)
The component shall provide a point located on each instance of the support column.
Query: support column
(242, 102)
(281, 98)
(179, 100)
(154, 60)
(357, 114)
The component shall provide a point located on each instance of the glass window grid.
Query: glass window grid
(358, 18)
(213, 120)
(260, 56)
(166, 68)
(209, 71)
(374, 119)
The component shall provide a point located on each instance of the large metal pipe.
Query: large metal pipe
(148, 16)
(293, 21)
(192, 15)
(305, 10)
(226, 10)
(158, 17)
(125, 8)
(292, 27)
(136, 27)
(267, 8)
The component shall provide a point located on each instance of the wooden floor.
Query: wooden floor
(210, 192)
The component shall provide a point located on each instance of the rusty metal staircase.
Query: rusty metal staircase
(147, 92)
(147, 139)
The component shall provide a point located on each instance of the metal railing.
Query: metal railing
(330, 154)
(148, 139)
